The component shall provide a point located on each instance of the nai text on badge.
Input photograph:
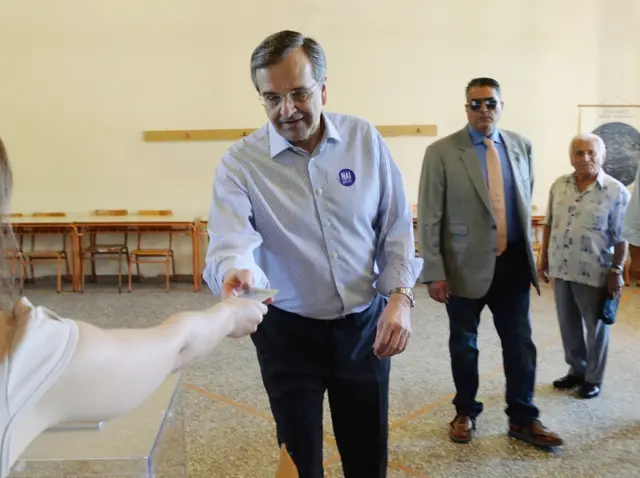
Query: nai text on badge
(346, 177)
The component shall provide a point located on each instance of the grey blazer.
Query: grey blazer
(456, 228)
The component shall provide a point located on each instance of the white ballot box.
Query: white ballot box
(147, 443)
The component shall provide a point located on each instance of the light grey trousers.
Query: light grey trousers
(577, 304)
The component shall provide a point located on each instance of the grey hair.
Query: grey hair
(483, 82)
(8, 243)
(602, 148)
(278, 45)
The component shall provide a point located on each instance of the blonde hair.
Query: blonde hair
(8, 291)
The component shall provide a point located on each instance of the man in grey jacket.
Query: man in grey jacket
(474, 219)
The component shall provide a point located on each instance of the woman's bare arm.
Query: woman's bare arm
(114, 371)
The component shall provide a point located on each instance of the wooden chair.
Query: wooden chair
(626, 271)
(110, 252)
(17, 259)
(157, 255)
(537, 225)
(58, 255)
(537, 228)
(13, 253)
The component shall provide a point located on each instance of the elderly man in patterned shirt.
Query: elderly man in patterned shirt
(583, 251)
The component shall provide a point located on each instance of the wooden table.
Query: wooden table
(177, 223)
(77, 225)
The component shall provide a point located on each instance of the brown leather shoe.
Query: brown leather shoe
(536, 434)
(462, 429)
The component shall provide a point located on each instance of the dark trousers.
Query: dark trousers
(508, 299)
(301, 358)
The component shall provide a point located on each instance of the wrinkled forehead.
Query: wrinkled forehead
(585, 145)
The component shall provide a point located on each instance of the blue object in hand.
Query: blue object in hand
(610, 308)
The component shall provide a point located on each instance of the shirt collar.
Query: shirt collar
(599, 178)
(278, 144)
(478, 138)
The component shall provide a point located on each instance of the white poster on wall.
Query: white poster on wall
(619, 127)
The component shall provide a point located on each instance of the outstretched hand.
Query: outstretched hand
(203, 331)
(236, 281)
(246, 315)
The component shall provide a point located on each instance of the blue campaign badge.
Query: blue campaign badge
(346, 177)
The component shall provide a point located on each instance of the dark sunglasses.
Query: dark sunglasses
(490, 103)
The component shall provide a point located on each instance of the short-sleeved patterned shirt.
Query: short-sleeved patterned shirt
(585, 227)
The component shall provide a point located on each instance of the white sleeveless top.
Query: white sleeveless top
(40, 350)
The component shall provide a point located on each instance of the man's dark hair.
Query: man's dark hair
(276, 46)
(482, 83)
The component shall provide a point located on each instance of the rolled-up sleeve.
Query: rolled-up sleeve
(631, 226)
(232, 237)
(396, 258)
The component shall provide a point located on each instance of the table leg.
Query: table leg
(75, 259)
(195, 246)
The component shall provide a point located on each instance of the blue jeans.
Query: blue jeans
(508, 299)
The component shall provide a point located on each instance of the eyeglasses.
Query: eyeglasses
(476, 104)
(298, 96)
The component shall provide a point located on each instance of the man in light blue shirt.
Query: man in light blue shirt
(313, 205)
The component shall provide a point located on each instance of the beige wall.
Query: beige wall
(80, 81)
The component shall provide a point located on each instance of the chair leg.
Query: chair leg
(94, 276)
(23, 275)
(66, 266)
(59, 267)
(81, 274)
(627, 272)
(166, 269)
(119, 273)
(173, 265)
(129, 271)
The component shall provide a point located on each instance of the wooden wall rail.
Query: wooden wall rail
(419, 130)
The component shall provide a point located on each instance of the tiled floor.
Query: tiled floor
(230, 432)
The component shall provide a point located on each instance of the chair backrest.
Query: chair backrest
(16, 214)
(49, 214)
(111, 212)
(155, 212)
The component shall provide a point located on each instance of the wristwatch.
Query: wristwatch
(407, 292)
